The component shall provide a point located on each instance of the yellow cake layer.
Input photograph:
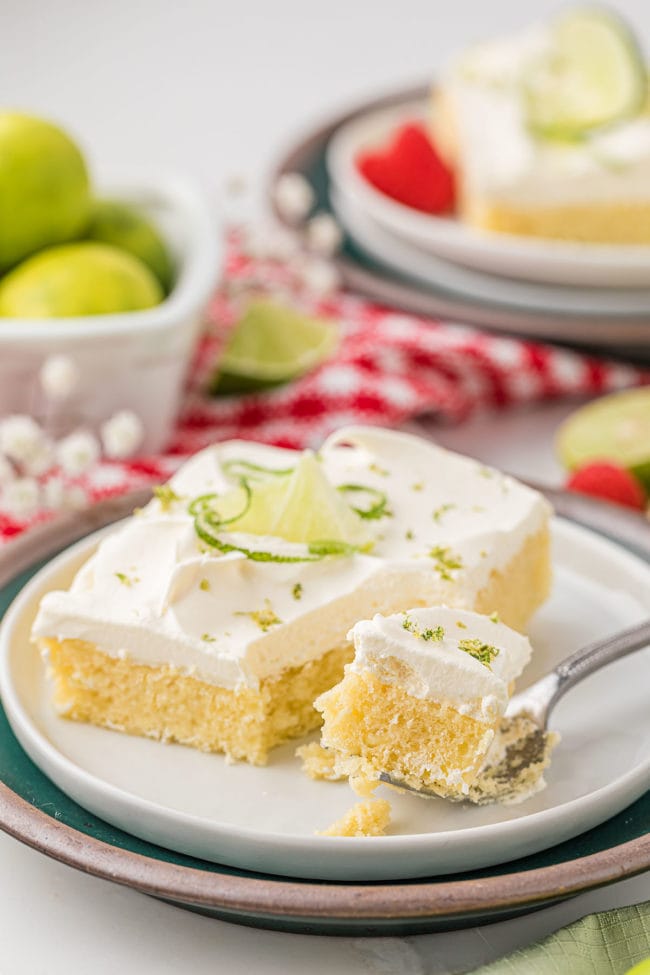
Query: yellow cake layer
(518, 590)
(376, 727)
(599, 223)
(160, 702)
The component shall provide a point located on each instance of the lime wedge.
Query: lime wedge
(271, 345)
(300, 507)
(592, 74)
(615, 428)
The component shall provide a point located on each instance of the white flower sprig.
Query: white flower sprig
(59, 377)
(77, 452)
(38, 472)
(122, 435)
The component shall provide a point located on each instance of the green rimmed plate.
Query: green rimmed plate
(35, 811)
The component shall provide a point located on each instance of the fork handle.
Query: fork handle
(596, 655)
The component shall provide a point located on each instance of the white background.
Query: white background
(214, 89)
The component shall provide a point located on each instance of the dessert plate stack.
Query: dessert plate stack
(588, 294)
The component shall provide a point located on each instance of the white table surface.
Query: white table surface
(216, 88)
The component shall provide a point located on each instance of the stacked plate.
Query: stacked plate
(589, 294)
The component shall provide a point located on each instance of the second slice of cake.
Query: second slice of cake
(423, 698)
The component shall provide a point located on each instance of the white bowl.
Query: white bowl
(131, 360)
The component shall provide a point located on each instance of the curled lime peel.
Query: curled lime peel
(240, 469)
(378, 506)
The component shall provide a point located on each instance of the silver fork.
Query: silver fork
(521, 764)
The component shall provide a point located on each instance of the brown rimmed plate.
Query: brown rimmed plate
(34, 811)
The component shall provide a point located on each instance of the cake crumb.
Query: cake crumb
(363, 819)
(319, 762)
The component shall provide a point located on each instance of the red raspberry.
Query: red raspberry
(409, 170)
(611, 482)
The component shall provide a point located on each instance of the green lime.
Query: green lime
(642, 968)
(302, 506)
(272, 344)
(124, 226)
(615, 428)
(593, 73)
(78, 279)
(44, 188)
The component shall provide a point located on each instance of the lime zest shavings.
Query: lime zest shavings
(483, 652)
(431, 633)
(264, 618)
(166, 496)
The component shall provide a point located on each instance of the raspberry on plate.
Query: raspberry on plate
(408, 169)
(609, 481)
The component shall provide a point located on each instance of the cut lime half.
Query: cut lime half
(592, 74)
(273, 344)
(615, 428)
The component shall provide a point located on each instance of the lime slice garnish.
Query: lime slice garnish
(300, 507)
(272, 344)
(615, 428)
(592, 74)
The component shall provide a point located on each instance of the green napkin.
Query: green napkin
(600, 944)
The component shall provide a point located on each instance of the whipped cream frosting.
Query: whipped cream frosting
(153, 593)
(421, 651)
(503, 158)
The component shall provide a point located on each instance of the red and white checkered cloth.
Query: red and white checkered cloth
(389, 367)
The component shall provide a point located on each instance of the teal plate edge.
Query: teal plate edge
(36, 812)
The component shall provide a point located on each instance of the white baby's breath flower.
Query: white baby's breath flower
(122, 434)
(21, 438)
(293, 197)
(7, 470)
(324, 234)
(59, 377)
(58, 496)
(77, 452)
(21, 497)
(53, 493)
(41, 459)
(319, 278)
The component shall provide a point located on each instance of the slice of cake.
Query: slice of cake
(423, 698)
(218, 614)
(548, 131)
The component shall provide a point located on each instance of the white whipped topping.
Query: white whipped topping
(502, 158)
(152, 593)
(430, 663)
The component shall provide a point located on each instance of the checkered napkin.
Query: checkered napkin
(389, 367)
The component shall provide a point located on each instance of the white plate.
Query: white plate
(534, 259)
(398, 254)
(264, 818)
